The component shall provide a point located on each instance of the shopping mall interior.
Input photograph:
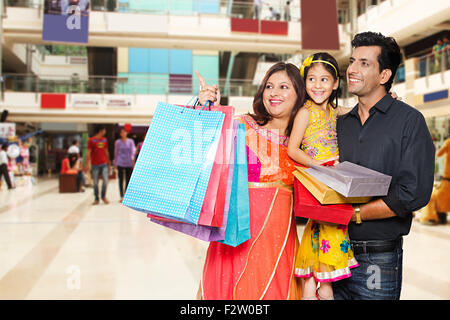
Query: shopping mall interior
(55, 244)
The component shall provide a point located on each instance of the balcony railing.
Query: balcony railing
(121, 85)
(433, 63)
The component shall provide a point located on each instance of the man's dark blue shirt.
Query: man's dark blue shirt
(394, 140)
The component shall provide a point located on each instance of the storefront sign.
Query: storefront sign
(118, 102)
(85, 102)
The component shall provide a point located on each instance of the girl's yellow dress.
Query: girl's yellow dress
(325, 251)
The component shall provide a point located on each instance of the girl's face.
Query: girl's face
(320, 84)
(279, 95)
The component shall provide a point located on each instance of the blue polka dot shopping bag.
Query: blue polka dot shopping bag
(172, 171)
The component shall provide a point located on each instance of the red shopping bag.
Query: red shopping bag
(307, 206)
(214, 202)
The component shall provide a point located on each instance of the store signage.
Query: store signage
(85, 102)
(53, 101)
(66, 21)
(118, 102)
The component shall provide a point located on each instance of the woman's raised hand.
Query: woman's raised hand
(207, 92)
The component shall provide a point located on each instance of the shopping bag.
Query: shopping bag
(173, 169)
(307, 206)
(207, 233)
(352, 180)
(238, 224)
(323, 193)
(213, 204)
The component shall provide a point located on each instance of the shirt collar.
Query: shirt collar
(382, 105)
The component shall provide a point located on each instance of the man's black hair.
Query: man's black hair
(390, 56)
(99, 128)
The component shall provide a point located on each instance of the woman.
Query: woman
(71, 165)
(262, 267)
(124, 150)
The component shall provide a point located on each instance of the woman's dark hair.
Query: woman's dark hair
(390, 56)
(260, 114)
(5, 146)
(73, 157)
(335, 73)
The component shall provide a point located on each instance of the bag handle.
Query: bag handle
(208, 104)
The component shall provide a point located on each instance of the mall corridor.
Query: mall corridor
(59, 246)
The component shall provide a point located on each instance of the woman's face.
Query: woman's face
(279, 95)
(123, 133)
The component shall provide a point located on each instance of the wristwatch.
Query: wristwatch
(357, 212)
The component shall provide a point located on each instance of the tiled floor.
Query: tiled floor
(59, 246)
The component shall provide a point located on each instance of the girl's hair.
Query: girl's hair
(260, 114)
(333, 71)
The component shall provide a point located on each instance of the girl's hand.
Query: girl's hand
(207, 92)
(335, 161)
(395, 96)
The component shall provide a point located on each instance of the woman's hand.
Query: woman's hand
(207, 92)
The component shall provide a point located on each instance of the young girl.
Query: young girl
(324, 254)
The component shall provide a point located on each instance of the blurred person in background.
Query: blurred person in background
(257, 4)
(98, 156)
(4, 166)
(436, 50)
(275, 13)
(436, 210)
(124, 152)
(71, 165)
(287, 11)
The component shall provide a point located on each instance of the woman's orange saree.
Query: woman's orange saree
(262, 267)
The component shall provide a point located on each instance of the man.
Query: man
(391, 137)
(74, 148)
(436, 50)
(98, 156)
(275, 14)
(257, 9)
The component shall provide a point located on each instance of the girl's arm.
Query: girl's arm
(301, 122)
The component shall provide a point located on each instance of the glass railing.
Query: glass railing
(433, 63)
(229, 8)
(121, 85)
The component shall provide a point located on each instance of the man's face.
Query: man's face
(363, 72)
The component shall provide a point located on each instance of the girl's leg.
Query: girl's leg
(309, 289)
(325, 290)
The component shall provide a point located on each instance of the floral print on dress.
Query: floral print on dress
(325, 246)
(345, 246)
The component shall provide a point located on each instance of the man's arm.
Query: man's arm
(88, 159)
(373, 210)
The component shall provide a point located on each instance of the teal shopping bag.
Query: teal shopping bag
(172, 171)
(238, 224)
